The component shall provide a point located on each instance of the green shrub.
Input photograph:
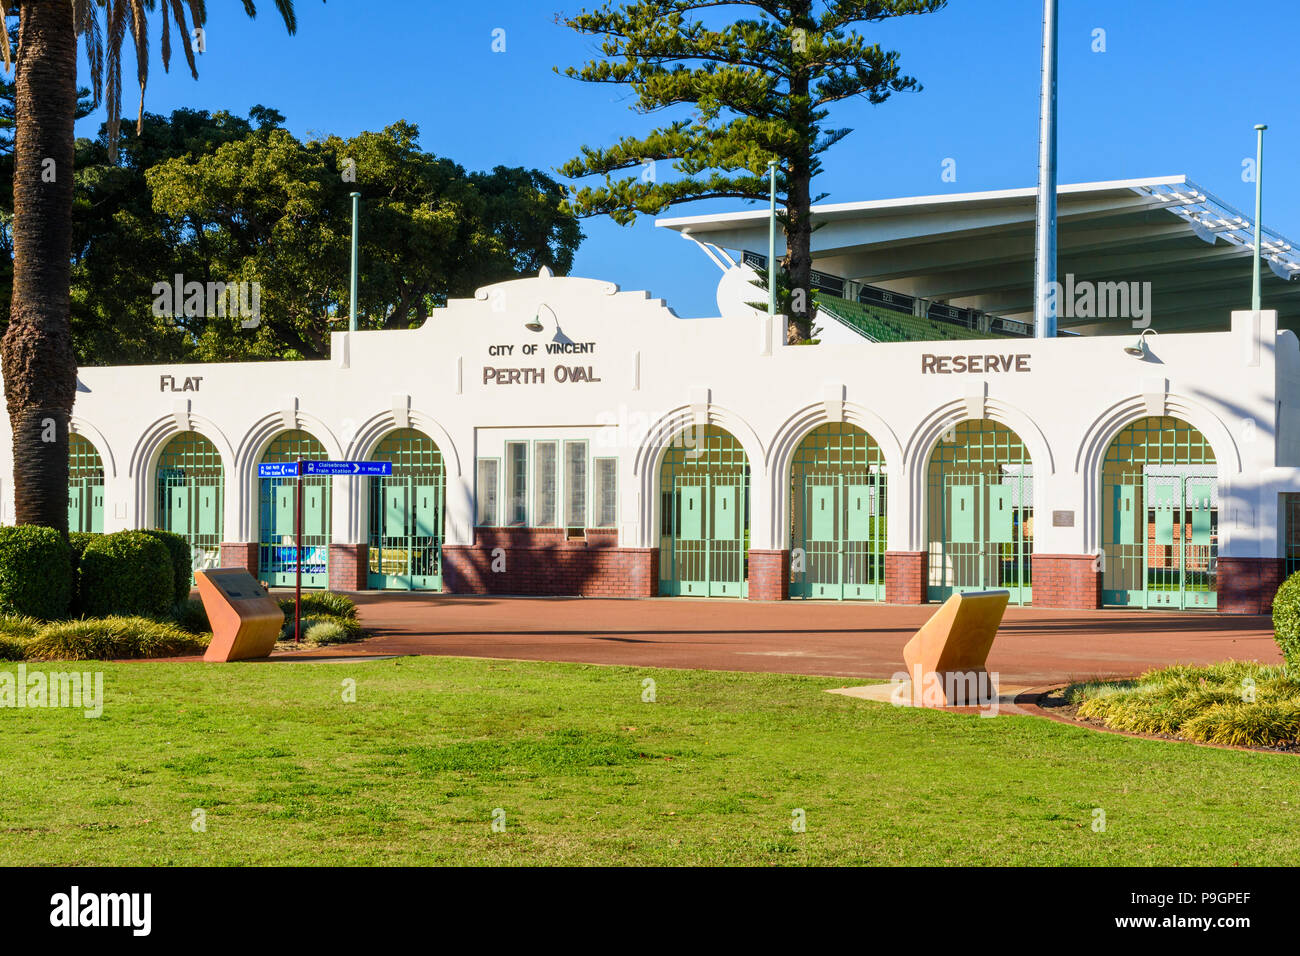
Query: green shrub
(127, 572)
(35, 572)
(335, 629)
(15, 632)
(191, 616)
(182, 562)
(78, 540)
(317, 603)
(108, 638)
(1286, 622)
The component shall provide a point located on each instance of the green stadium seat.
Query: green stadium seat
(880, 324)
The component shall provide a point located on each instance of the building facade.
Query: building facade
(559, 436)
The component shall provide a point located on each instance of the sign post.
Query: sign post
(297, 469)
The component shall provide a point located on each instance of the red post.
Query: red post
(297, 534)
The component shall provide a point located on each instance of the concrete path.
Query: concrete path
(1035, 646)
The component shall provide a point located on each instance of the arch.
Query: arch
(1157, 515)
(366, 439)
(803, 423)
(80, 426)
(837, 496)
(189, 476)
(704, 483)
(279, 504)
(407, 513)
(978, 509)
(649, 456)
(253, 446)
(1106, 426)
(144, 459)
(86, 479)
(926, 435)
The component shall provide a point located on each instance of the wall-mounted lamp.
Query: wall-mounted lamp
(1139, 348)
(535, 323)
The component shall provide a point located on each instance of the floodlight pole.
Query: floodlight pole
(352, 311)
(1045, 241)
(1259, 204)
(771, 242)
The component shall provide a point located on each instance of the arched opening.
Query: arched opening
(277, 559)
(837, 515)
(191, 493)
(1160, 517)
(704, 514)
(406, 514)
(980, 512)
(85, 486)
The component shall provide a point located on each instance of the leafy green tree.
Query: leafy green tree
(761, 87)
(269, 208)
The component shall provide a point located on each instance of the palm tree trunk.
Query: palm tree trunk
(36, 354)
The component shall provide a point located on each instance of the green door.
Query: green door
(190, 492)
(980, 513)
(1160, 520)
(837, 540)
(406, 515)
(76, 507)
(278, 555)
(704, 541)
(85, 486)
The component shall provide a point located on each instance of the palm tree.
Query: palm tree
(36, 354)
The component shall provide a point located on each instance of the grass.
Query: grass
(286, 771)
(1241, 703)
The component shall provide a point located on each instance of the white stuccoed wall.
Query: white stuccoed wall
(659, 373)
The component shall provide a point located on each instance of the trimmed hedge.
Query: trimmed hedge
(179, 551)
(127, 572)
(79, 540)
(192, 616)
(1286, 622)
(35, 572)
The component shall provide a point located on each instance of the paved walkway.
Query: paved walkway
(1035, 646)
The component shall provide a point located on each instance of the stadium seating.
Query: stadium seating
(880, 324)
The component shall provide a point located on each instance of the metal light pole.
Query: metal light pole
(1045, 241)
(1259, 203)
(352, 313)
(771, 242)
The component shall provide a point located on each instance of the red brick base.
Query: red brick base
(348, 567)
(239, 554)
(1247, 585)
(1066, 580)
(769, 575)
(906, 574)
(545, 561)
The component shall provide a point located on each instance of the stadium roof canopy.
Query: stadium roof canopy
(976, 250)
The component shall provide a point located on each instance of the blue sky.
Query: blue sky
(1178, 90)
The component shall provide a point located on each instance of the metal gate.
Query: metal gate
(277, 502)
(85, 486)
(980, 511)
(1160, 517)
(406, 514)
(704, 535)
(191, 492)
(838, 532)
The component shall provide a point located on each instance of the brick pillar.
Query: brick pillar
(906, 574)
(348, 567)
(769, 575)
(1066, 580)
(642, 570)
(1247, 585)
(239, 554)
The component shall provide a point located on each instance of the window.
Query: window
(487, 491)
(605, 492)
(575, 484)
(544, 486)
(517, 483)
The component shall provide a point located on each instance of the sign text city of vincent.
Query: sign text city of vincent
(495, 375)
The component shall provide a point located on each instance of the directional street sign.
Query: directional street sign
(279, 469)
(347, 467)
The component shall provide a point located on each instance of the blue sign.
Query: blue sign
(347, 468)
(279, 469)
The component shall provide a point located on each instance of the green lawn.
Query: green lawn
(410, 773)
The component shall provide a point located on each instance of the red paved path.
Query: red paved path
(1035, 646)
